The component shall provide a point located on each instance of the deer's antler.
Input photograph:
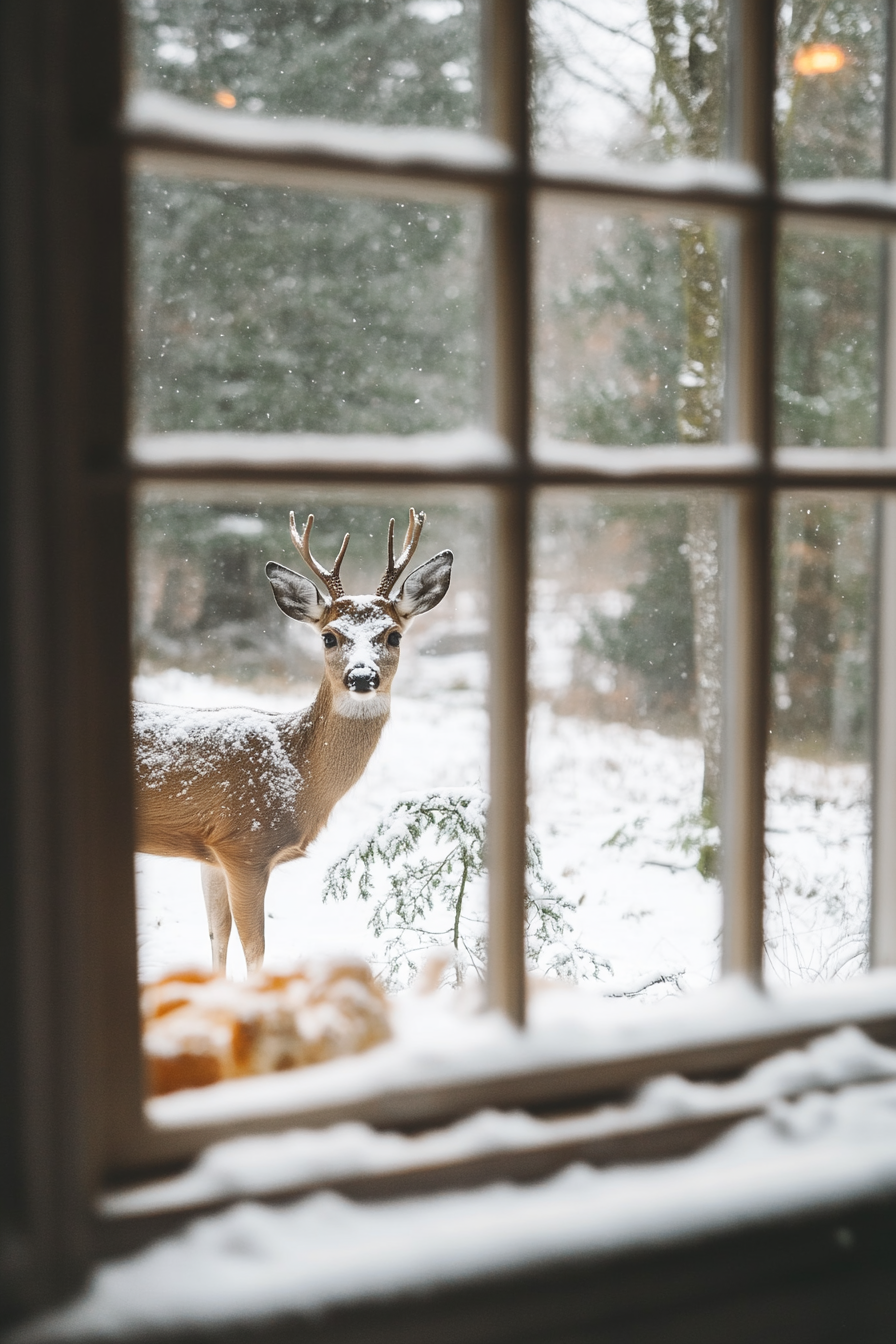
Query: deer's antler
(394, 569)
(302, 544)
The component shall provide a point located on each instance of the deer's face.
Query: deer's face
(361, 636)
(362, 644)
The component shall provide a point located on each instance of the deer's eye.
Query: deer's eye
(330, 640)
(394, 639)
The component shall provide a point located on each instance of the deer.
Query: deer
(242, 790)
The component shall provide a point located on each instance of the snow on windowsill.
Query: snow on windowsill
(854, 461)
(653, 459)
(463, 448)
(151, 114)
(724, 176)
(252, 1263)
(263, 1165)
(435, 1046)
(874, 193)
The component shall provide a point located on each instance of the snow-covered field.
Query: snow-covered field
(614, 808)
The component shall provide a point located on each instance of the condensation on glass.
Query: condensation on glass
(207, 634)
(829, 338)
(393, 63)
(830, 100)
(819, 775)
(268, 311)
(624, 746)
(630, 80)
(630, 326)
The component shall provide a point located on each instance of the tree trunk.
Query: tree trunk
(686, 96)
(699, 421)
(703, 555)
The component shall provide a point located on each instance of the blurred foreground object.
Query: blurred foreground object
(200, 1028)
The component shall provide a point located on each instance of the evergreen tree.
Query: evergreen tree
(272, 311)
(823, 583)
(262, 309)
(829, 340)
(385, 62)
(649, 635)
(423, 868)
(633, 286)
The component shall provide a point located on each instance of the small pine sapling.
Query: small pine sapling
(424, 866)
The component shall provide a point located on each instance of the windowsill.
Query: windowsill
(819, 1154)
(158, 120)
(653, 460)
(579, 1047)
(470, 449)
(669, 1116)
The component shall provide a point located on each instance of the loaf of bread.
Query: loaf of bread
(200, 1029)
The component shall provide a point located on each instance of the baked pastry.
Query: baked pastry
(200, 1029)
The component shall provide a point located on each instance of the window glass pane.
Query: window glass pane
(829, 339)
(831, 95)
(263, 310)
(625, 739)
(630, 326)
(631, 79)
(234, 767)
(819, 777)
(390, 62)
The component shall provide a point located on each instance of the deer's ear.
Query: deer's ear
(425, 588)
(295, 594)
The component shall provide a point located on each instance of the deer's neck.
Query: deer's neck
(335, 742)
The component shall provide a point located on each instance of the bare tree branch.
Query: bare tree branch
(606, 27)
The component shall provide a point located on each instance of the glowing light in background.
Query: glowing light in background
(821, 58)
(224, 98)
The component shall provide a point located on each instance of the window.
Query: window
(764, 221)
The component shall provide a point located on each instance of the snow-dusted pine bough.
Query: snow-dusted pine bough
(424, 867)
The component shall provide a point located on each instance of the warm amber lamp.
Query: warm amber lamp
(821, 58)
(224, 98)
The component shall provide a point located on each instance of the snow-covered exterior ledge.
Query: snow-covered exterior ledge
(813, 461)
(297, 1159)
(253, 1264)
(160, 120)
(556, 456)
(847, 194)
(470, 449)
(442, 1063)
(723, 179)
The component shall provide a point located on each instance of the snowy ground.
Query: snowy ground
(818, 872)
(614, 810)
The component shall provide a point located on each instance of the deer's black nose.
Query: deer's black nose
(362, 679)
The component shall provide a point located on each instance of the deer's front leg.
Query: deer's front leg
(246, 887)
(217, 909)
